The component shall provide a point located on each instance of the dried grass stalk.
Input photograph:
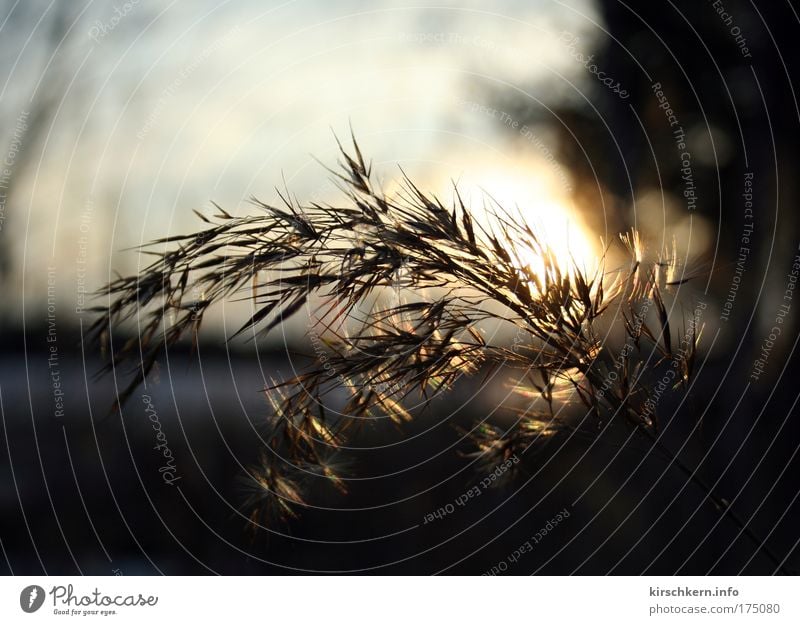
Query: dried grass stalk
(343, 255)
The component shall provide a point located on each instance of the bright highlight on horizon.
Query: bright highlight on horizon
(530, 190)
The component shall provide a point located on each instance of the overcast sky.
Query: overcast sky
(159, 108)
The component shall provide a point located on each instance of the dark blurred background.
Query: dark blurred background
(119, 122)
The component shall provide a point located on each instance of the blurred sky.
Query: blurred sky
(122, 118)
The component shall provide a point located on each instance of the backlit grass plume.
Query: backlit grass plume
(463, 288)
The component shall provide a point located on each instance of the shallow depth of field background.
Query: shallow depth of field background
(119, 119)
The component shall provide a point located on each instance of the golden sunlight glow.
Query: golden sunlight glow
(550, 215)
(531, 189)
